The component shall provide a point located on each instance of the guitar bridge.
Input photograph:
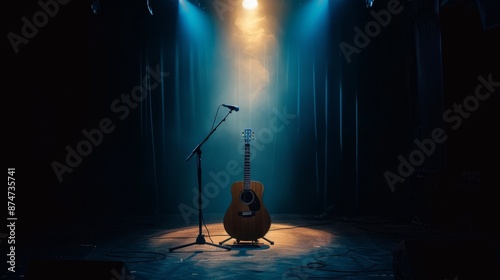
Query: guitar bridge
(246, 213)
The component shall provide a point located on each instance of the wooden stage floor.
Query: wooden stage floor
(296, 247)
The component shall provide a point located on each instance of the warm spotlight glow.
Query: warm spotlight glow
(250, 4)
(284, 235)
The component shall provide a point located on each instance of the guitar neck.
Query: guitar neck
(246, 176)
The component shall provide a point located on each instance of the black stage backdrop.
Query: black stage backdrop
(349, 104)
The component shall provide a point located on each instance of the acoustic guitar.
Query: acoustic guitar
(247, 218)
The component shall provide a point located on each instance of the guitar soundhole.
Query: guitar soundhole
(247, 197)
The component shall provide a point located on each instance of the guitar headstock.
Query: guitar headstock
(248, 135)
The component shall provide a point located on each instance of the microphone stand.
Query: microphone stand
(200, 240)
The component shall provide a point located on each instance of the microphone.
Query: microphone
(232, 107)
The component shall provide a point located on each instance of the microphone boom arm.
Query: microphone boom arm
(198, 147)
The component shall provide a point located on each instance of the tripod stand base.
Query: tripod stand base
(200, 240)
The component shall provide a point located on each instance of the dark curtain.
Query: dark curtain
(112, 127)
(278, 65)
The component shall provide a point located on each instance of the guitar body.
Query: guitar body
(247, 218)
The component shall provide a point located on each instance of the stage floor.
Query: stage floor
(295, 247)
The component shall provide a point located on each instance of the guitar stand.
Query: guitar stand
(254, 242)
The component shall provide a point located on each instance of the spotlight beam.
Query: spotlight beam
(250, 4)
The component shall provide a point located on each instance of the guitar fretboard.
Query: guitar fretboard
(246, 175)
